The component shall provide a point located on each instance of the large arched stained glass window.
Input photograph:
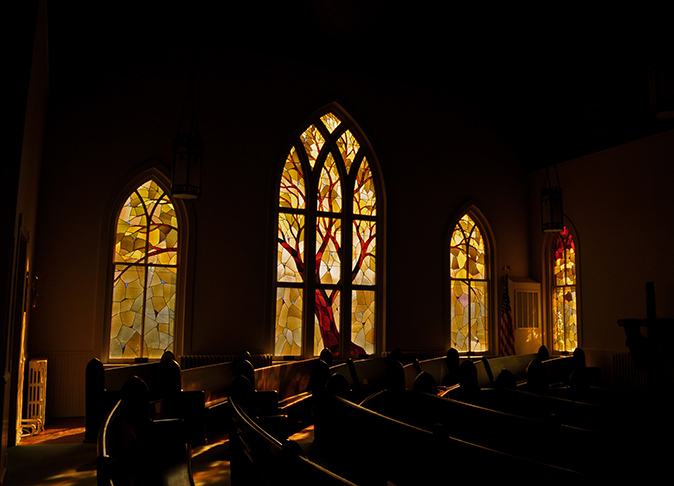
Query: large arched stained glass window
(145, 260)
(469, 318)
(326, 278)
(564, 309)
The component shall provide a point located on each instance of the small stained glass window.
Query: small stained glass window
(469, 316)
(327, 187)
(564, 308)
(145, 263)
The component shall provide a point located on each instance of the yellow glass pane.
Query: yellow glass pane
(363, 319)
(328, 243)
(313, 141)
(330, 121)
(467, 250)
(288, 331)
(290, 248)
(329, 187)
(364, 195)
(348, 147)
(364, 252)
(292, 192)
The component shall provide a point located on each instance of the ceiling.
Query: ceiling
(558, 79)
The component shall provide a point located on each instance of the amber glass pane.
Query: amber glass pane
(364, 250)
(290, 249)
(364, 196)
(328, 242)
(288, 335)
(313, 141)
(468, 294)
(565, 328)
(565, 259)
(292, 193)
(329, 187)
(362, 321)
(469, 331)
(467, 251)
(144, 286)
(159, 310)
(331, 121)
(326, 320)
(348, 147)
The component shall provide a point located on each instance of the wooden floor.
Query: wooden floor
(59, 457)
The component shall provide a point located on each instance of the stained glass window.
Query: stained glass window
(469, 289)
(145, 263)
(328, 191)
(564, 309)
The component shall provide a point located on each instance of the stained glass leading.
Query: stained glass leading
(364, 194)
(145, 275)
(469, 317)
(335, 159)
(564, 312)
(292, 192)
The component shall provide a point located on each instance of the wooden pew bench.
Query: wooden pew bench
(260, 458)
(539, 440)
(103, 385)
(407, 454)
(373, 374)
(132, 449)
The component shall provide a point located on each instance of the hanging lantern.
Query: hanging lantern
(187, 152)
(552, 216)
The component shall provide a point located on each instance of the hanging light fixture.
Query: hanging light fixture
(552, 217)
(187, 151)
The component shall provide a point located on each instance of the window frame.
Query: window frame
(490, 281)
(346, 216)
(549, 247)
(184, 237)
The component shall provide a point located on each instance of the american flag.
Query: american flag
(506, 343)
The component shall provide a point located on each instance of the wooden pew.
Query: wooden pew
(132, 449)
(103, 387)
(201, 400)
(371, 448)
(543, 441)
(374, 374)
(262, 458)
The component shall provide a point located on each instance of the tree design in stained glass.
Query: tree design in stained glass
(330, 121)
(313, 143)
(329, 187)
(364, 247)
(362, 321)
(469, 320)
(145, 275)
(565, 325)
(326, 320)
(330, 153)
(328, 242)
(290, 258)
(348, 148)
(288, 336)
(292, 193)
(364, 194)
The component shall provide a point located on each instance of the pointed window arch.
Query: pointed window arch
(145, 275)
(564, 302)
(328, 274)
(470, 322)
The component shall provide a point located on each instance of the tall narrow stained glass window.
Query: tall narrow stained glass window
(469, 316)
(564, 309)
(326, 243)
(145, 260)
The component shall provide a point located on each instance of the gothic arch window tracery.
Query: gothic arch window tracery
(327, 282)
